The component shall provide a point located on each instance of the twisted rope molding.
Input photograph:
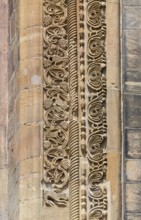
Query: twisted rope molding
(74, 125)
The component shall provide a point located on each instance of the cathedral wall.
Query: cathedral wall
(21, 109)
(131, 81)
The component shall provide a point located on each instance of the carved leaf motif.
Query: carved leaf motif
(56, 102)
(96, 109)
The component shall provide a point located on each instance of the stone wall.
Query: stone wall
(131, 81)
(21, 111)
(24, 109)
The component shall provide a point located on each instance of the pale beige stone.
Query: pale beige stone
(30, 105)
(30, 141)
(113, 108)
(60, 215)
(33, 165)
(30, 15)
(30, 43)
(30, 73)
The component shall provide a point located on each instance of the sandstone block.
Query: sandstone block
(133, 217)
(133, 197)
(133, 168)
(30, 15)
(133, 143)
(132, 19)
(29, 187)
(131, 2)
(30, 73)
(132, 111)
(30, 43)
(3, 13)
(33, 165)
(30, 137)
(3, 41)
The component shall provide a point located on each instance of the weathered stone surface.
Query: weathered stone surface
(3, 147)
(113, 99)
(3, 13)
(131, 63)
(3, 110)
(133, 168)
(60, 215)
(29, 141)
(30, 38)
(30, 16)
(132, 111)
(133, 197)
(133, 87)
(3, 79)
(25, 110)
(132, 2)
(133, 217)
(33, 165)
(28, 186)
(131, 52)
(132, 19)
(3, 36)
(3, 194)
(30, 73)
(13, 111)
(133, 143)
(30, 105)
(30, 210)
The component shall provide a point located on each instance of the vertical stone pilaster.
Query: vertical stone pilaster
(30, 104)
(113, 109)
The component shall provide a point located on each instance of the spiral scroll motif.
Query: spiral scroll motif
(56, 103)
(62, 107)
(97, 140)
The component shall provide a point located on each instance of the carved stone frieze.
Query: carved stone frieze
(56, 102)
(97, 126)
(75, 125)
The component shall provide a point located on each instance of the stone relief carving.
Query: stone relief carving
(74, 185)
(82, 109)
(97, 138)
(74, 60)
(56, 101)
(51, 198)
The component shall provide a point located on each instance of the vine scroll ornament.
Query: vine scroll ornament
(75, 126)
(97, 126)
(56, 102)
